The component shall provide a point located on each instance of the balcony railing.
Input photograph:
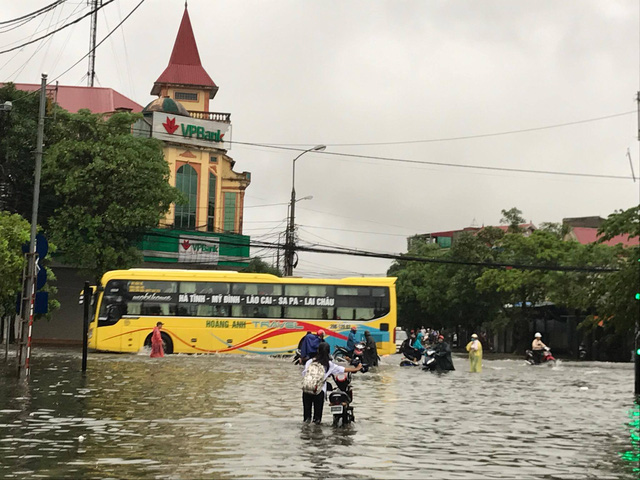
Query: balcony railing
(214, 116)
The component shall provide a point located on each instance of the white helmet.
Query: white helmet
(538, 335)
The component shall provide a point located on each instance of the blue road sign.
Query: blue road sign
(42, 246)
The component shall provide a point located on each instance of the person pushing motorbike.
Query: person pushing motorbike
(443, 355)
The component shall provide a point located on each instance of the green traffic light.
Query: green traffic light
(637, 296)
(638, 352)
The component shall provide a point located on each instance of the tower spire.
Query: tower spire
(185, 67)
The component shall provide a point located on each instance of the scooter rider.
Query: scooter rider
(351, 341)
(538, 347)
(443, 355)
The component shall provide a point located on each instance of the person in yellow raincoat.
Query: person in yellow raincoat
(474, 347)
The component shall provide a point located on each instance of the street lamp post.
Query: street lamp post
(290, 236)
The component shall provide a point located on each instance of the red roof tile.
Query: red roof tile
(586, 235)
(96, 99)
(184, 66)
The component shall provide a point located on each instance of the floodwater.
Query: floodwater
(220, 417)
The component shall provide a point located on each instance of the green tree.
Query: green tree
(616, 301)
(512, 217)
(14, 232)
(18, 131)
(257, 265)
(444, 294)
(110, 187)
(520, 289)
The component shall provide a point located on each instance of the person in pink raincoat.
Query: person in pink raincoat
(157, 350)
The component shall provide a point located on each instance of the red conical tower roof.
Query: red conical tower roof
(184, 66)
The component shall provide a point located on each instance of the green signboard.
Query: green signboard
(196, 248)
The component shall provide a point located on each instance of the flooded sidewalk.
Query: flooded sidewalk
(217, 416)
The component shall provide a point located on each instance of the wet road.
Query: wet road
(221, 417)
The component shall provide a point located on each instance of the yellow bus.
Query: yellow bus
(209, 311)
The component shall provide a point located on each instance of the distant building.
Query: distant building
(96, 99)
(585, 230)
(447, 238)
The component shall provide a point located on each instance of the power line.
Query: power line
(103, 40)
(34, 14)
(57, 29)
(445, 164)
(466, 137)
(398, 257)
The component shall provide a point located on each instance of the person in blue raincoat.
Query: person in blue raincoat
(351, 340)
(418, 343)
(310, 345)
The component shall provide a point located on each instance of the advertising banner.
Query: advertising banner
(191, 131)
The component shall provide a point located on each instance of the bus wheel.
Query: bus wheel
(167, 344)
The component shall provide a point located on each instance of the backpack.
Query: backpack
(313, 378)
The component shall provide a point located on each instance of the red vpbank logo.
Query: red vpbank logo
(170, 125)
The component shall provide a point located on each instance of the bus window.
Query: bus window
(346, 313)
(354, 291)
(308, 313)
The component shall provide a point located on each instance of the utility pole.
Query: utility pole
(30, 290)
(290, 238)
(93, 35)
(636, 338)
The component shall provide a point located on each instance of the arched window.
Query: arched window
(187, 183)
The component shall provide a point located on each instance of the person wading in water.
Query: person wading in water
(157, 349)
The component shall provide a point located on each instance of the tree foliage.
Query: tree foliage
(108, 188)
(14, 232)
(512, 217)
(257, 265)
(444, 295)
(18, 131)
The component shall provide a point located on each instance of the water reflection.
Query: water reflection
(241, 417)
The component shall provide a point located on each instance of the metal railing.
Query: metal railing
(214, 116)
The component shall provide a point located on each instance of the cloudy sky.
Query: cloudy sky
(431, 86)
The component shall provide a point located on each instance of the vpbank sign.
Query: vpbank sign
(198, 250)
(191, 131)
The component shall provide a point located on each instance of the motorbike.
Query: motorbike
(296, 358)
(429, 362)
(411, 357)
(582, 352)
(341, 354)
(533, 359)
(341, 397)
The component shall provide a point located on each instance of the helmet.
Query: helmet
(538, 335)
(354, 328)
(474, 336)
(440, 337)
(321, 333)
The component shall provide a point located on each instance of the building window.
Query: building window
(190, 97)
(230, 211)
(187, 183)
(213, 159)
(211, 216)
